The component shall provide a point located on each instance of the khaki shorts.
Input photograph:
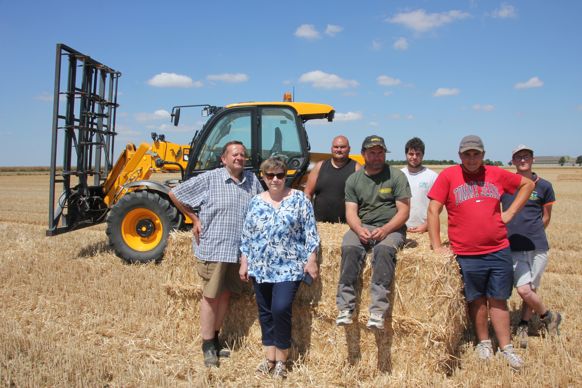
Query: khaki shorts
(218, 277)
(528, 267)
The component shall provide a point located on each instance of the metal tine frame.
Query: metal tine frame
(84, 129)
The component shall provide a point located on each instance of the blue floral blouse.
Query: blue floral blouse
(278, 242)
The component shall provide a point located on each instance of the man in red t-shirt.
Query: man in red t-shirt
(471, 193)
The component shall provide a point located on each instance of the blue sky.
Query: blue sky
(507, 71)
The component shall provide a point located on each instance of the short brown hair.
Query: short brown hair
(237, 142)
(273, 163)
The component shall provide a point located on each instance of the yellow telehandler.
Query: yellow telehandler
(137, 210)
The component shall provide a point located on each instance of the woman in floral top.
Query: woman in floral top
(279, 244)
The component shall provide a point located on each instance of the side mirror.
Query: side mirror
(175, 117)
(331, 116)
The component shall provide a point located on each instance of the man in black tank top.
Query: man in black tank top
(326, 182)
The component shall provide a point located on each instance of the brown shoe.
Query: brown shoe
(552, 322)
(522, 335)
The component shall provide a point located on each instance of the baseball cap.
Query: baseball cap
(521, 147)
(471, 142)
(372, 141)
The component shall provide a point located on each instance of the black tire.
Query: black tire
(138, 226)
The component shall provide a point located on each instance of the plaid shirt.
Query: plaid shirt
(222, 204)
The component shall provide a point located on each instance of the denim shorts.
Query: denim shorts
(489, 275)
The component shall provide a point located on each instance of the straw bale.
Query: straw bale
(74, 314)
(426, 324)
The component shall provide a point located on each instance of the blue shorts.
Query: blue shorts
(489, 275)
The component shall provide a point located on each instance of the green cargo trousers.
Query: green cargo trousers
(383, 264)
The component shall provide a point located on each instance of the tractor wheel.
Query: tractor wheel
(138, 226)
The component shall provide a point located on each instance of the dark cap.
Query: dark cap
(471, 142)
(372, 141)
(521, 147)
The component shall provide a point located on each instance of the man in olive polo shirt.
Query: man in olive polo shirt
(377, 207)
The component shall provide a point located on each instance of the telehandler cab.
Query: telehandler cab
(138, 211)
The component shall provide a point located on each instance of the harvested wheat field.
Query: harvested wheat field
(73, 314)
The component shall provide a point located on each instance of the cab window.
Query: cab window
(279, 134)
(233, 126)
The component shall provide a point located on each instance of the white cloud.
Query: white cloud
(48, 97)
(126, 132)
(231, 78)
(398, 116)
(173, 80)
(376, 45)
(505, 11)
(400, 44)
(339, 117)
(332, 29)
(307, 31)
(484, 107)
(320, 79)
(420, 21)
(44, 96)
(533, 82)
(388, 93)
(171, 128)
(442, 92)
(385, 80)
(349, 116)
(160, 114)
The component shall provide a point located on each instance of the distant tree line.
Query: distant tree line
(566, 159)
(445, 162)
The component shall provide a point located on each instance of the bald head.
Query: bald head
(340, 149)
(340, 139)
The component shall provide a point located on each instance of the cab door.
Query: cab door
(227, 125)
(280, 134)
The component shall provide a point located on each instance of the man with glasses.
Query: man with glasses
(529, 245)
(471, 193)
(217, 203)
(377, 207)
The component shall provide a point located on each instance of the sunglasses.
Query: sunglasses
(270, 175)
(522, 157)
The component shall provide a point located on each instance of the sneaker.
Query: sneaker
(522, 335)
(344, 318)
(484, 350)
(508, 352)
(265, 367)
(552, 322)
(210, 358)
(280, 370)
(376, 321)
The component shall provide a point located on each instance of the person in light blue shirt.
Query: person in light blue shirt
(279, 245)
